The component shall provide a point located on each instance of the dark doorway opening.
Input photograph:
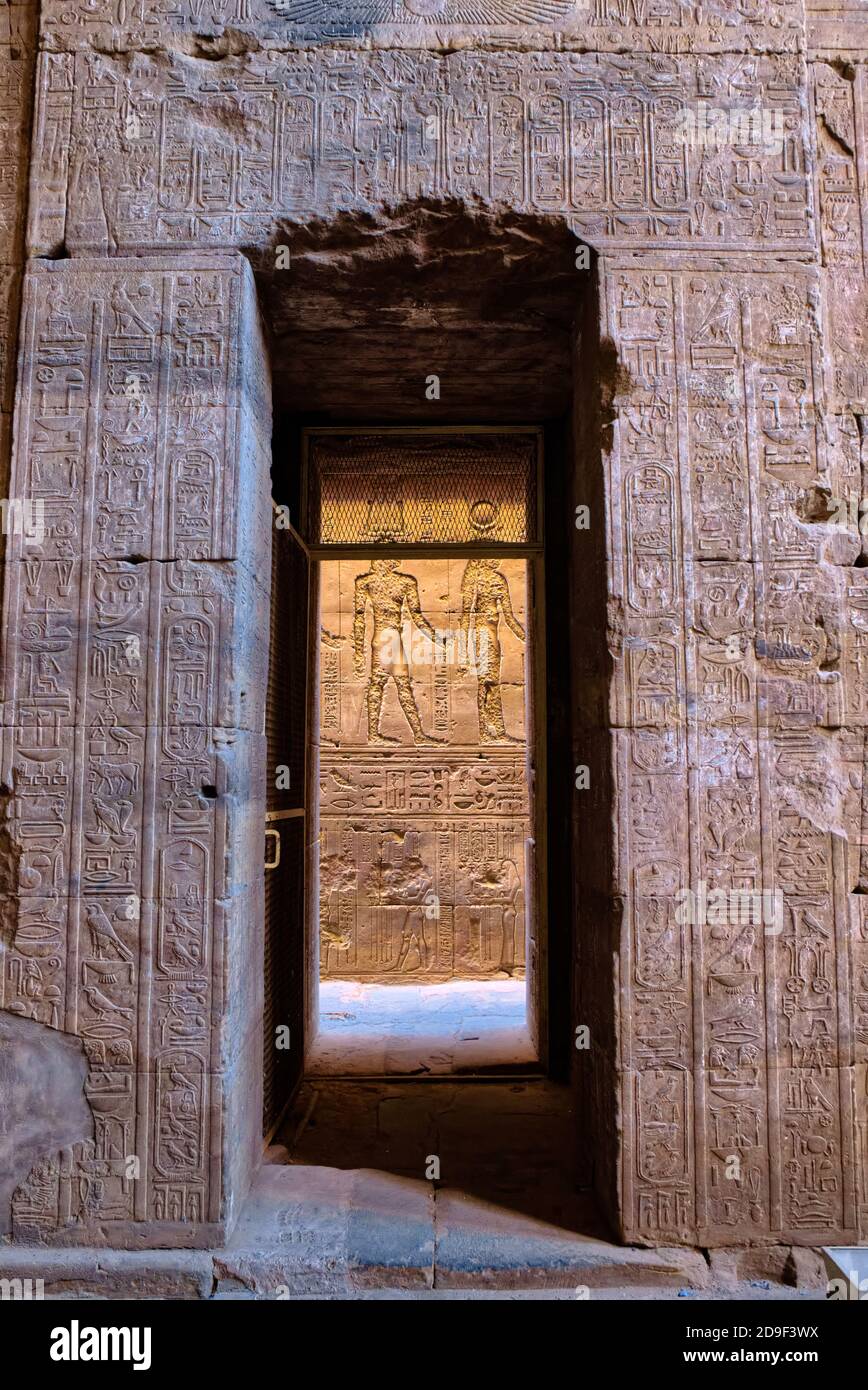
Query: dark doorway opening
(427, 749)
(498, 312)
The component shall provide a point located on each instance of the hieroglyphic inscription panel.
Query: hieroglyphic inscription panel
(132, 758)
(424, 811)
(736, 764)
(666, 26)
(461, 487)
(173, 158)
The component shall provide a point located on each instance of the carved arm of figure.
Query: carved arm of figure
(415, 607)
(506, 609)
(468, 603)
(360, 605)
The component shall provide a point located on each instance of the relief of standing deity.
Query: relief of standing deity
(485, 598)
(389, 594)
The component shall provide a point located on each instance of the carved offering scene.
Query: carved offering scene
(423, 773)
(424, 746)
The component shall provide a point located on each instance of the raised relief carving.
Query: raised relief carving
(485, 599)
(390, 594)
(354, 18)
(667, 26)
(575, 135)
(114, 682)
(422, 869)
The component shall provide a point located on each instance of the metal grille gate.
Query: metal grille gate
(286, 820)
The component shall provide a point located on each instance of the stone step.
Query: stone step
(308, 1231)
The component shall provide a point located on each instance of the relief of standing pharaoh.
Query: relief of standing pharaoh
(389, 593)
(485, 599)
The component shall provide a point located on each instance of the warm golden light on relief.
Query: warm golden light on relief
(423, 767)
(418, 489)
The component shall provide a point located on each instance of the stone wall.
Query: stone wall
(722, 368)
(735, 718)
(417, 880)
(170, 151)
(133, 689)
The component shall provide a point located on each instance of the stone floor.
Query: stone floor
(407, 1030)
(342, 1209)
(741, 1291)
(504, 1212)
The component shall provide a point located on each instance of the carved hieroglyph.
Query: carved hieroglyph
(134, 763)
(423, 768)
(666, 26)
(164, 157)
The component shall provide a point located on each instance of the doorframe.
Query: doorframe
(537, 884)
(276, 818)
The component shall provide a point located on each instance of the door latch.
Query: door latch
(269, 830)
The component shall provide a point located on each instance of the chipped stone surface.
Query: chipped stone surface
(111, 1274)
(794, 1265)
(42, 1082)
(132, 731)
(152, 150)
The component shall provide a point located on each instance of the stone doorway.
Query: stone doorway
(578, 354)
(321, 218)
(501, 336)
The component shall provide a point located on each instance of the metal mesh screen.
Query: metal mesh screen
(284, 885)
(284, 972)
(422, 489)
(287, 692)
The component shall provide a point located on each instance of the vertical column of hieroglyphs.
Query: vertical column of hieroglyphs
(804, 755)
(651, 758)
(840, 92)
(731, 669)
(17, 49)
(130, 753)
(777, 1120)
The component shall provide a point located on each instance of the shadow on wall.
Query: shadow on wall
(364, 308)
